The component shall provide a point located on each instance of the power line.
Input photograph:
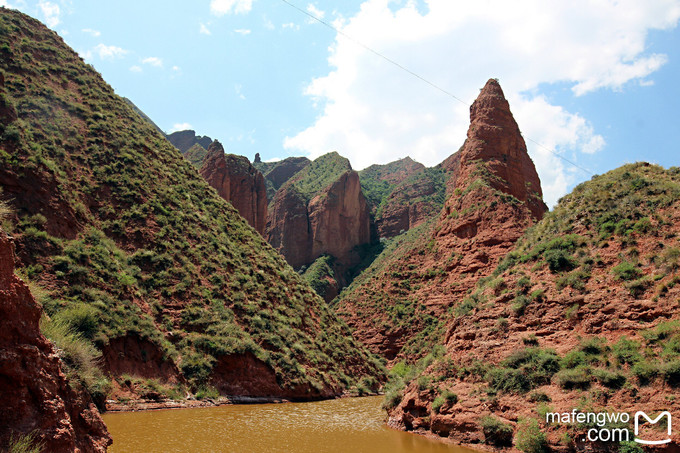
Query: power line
(418, 76)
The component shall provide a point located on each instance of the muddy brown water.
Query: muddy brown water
(344, 425)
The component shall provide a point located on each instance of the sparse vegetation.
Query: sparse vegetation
(496, 432)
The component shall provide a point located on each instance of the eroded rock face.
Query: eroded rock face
(244, 375)
(338, 218)
(34, 392)
(494, 138)
(138, 357)
(238, 182)
(334, 222)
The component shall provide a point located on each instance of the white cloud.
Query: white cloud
(109, 52)
(181, 127)
(372, 112)
(203, 29)
(91, 32)
(222, 7)
(51, 12)
(291, 25)
(242, 31)
(153, 61)
(136, 68)
(314, 11)
(238, 88)
(176, 69)
(268, 24)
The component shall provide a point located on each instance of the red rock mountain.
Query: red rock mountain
(185, 140)
(398, 304)
(582, 313)
(238, 182)
(321, 210)
(36, 397)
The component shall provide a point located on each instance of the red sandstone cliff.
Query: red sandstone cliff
(310, 218)
(34, 392)
(238, 182)
(494, 195)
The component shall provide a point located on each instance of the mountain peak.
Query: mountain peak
(215, 147)
(494, 138)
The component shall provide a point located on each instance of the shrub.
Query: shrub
(25, 443)
(576, 378)
(80, 358)
(207, 392)
(530, 340)
(520, 303)
(611, 379)
(538, 364)
(424, 382)
(671, 373)
(639, 286)
(593, 345)
(392, 398)
(626, 271)
(496, 432)
(626, 350)
(645, 372)
(539, 397)
(446, 396)
(524, 284)
(508, 380)
(559, 260)
(662, 331)
(529, 437)
(5, 210)
(630, 447)
(82, 318)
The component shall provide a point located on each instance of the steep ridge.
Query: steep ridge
(277, 173)
(138, 253)
(321, 210)
(412, 202)
(583, 314)
(400, 195)
(397, 306)
(238, 182)
(35, 396)
(185, 140)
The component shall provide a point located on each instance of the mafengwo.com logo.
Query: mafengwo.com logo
(614, 426)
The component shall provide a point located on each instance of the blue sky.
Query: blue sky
(595, 82)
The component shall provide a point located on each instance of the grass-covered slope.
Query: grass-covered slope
(584, 313)
(128, 241)
(378, 181)
(196, 154)
(319, 174)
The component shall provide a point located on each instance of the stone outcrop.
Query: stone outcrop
(328, 220)
(238, 182)
(34, 393)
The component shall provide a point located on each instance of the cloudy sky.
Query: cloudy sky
(592, 84)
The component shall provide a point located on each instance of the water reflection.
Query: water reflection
(342, 425)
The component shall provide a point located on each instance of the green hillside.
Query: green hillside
(126, 239)
(322, 172)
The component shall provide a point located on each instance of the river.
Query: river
(343, 425)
